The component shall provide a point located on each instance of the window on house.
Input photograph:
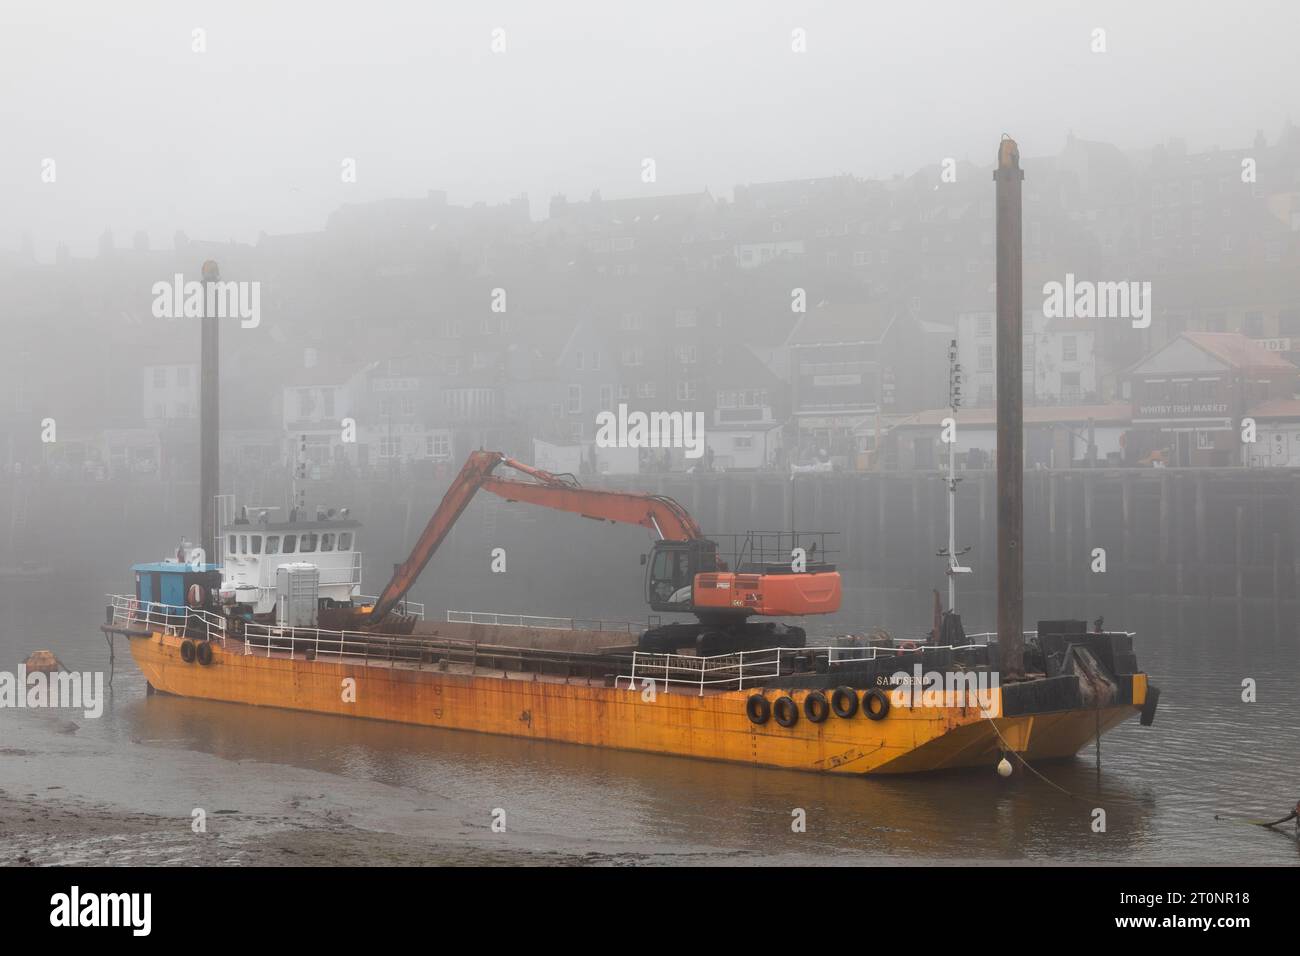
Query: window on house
(984, 325)
(160, 378)
(575, 400)
(182, 376)
(742, 441)
(1069, 348)
(1071, 393)
(986, 358)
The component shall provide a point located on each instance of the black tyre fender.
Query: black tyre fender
(875, 704)
(844, 701)
(786, 711)
(758, 709)
(815, 707)
(187, 651)
(204, 653)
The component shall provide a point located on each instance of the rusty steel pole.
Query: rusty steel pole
(1011, 456)
(209, 417)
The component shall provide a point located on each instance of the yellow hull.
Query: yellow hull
(712, 727)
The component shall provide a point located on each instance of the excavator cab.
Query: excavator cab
(671, 571)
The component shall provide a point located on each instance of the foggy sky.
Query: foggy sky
(249, 136)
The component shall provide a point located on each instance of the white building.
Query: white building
(1277, 436)
(170, 392)
(1059, 359)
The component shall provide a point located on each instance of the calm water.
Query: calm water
(1161, 786)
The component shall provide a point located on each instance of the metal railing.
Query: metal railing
(411, 608)
(734, 671)
(129, 611)
(542, 622)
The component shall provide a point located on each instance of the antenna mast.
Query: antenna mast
(951, 552)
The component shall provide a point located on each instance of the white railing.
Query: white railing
(130, 612)
(990, 636)
(541, 622)
(744, 668)
(413, 608)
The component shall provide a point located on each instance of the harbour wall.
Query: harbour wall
(1193, 552)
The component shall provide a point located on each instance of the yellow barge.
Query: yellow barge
(833, 709)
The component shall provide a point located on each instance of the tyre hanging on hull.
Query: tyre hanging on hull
(815, 707)
(758, 709)
(786, 711)
(875, 704)
(844, 701)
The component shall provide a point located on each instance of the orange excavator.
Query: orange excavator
(684, 571)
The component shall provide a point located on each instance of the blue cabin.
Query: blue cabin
(167, 582)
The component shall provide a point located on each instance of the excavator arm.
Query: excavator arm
(662, 515)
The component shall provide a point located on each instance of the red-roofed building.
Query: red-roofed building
(1189, 397)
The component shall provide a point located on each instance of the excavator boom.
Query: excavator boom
(662, 515)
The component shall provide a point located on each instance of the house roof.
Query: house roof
(1277, 408)
(834, 323)
(1237, 351)
(1115, 414)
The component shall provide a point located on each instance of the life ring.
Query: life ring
(758, 709)
(196, 594)
(187, 651)
(844, 701)
(875, 704)
(203, 651)
(785, 711)
(815, 707)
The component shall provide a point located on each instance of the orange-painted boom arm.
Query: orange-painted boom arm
(662, 515)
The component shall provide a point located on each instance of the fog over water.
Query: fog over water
(482, 226)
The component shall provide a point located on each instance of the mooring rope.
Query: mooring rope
(1026, 765)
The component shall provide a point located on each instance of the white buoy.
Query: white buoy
(1004, 767)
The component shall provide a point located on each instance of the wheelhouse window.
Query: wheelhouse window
(327, 541)
(255, 542)
(290, 543)
(243, 544)
(230, 545)
(307, 543)
(272, 544)
(345, 540)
